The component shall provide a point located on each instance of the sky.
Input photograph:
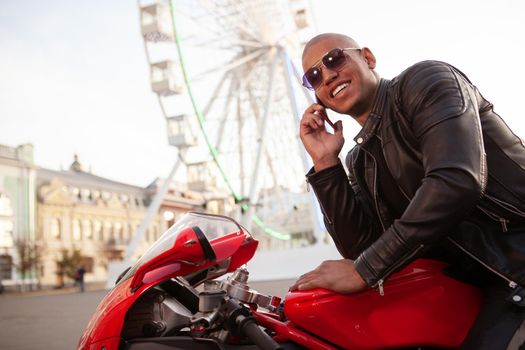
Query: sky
(74, 76)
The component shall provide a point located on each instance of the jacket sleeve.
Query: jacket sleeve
(438, 105)
(345, 216)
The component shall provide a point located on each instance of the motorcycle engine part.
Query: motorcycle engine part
(210, 300)
(155, 314)
(183, 291)
(153, 328)
(237, 288)
(204, 319)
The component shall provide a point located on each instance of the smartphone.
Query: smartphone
(323, 113)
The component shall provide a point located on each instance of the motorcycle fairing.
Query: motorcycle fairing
(421, 307)
(178, 252)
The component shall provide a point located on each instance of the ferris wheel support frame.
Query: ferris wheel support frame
(247, 204)
(213, 150)
(262, 130)
(315, 210)
(152, 210)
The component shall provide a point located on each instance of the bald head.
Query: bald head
(357, 71)
(344, 39)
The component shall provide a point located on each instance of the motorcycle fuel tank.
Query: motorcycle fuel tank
(420, 307)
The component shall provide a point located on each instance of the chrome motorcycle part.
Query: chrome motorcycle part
(210, 300)
(204, 319)
(237, 288)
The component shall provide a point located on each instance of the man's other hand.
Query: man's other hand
(339, 276)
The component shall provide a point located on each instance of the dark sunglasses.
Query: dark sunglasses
(334, 59)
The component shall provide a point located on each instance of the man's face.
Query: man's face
(351, 88)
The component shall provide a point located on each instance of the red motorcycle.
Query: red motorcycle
(172, 298)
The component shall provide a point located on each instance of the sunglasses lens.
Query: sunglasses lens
(334, 59)
(312, 78)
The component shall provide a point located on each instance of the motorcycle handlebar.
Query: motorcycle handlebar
(248, 326)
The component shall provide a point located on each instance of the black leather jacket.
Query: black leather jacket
(455, 160)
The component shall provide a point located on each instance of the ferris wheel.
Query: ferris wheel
(224, 74)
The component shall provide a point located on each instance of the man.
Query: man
(434, 172)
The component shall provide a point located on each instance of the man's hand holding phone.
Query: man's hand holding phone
(322, 146)
(323, 114)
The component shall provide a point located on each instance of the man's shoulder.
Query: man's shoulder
(427, 78)
(424, 70)
(431, 91)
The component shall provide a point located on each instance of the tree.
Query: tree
(108, 251)
(67, 265)
(29, 258)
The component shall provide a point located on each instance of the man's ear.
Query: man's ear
(368, 57)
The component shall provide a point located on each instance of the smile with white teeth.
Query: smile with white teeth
(339, 88)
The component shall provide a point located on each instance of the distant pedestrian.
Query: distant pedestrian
(79, 278)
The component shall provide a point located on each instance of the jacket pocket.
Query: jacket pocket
(501, 211)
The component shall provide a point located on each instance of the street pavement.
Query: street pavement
(55, 319)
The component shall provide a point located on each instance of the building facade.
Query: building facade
(94, 217)
(52, 222)
(17, 211)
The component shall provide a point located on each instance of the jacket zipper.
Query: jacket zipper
(375, 196)
(375, 190)
(510, 282)
(379, 284)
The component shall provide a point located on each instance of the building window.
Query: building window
(5, 206)
(86, 194)
(6, 222)
(97, 230)
(87, 229)
(106, 195)
(77, 233)
(6, 263)
(108, 232)
(56, 231)
(118, 234)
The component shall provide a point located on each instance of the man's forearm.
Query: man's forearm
(345, 219)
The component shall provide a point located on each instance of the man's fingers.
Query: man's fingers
(304, 279)
(313, 283)
(312, 121)
(338, 127)
(314, 108)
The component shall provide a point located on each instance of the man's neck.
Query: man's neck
(362, 117)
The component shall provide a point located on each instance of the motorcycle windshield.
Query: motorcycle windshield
(216, 237)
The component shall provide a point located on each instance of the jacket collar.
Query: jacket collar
(374, 118)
